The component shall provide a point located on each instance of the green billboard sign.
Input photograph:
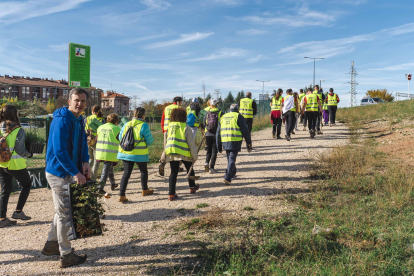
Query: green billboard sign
(79, 65)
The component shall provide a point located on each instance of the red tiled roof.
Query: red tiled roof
(115, 95)
(21, 81)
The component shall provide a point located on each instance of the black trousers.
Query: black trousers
(312, 117)
(211, 155)
(277, 126)
(305, 119)
(249, 122)
(318, 121)
(290, 122)
(332, 113)
(128, 167)
(6, 177)
(175, 166)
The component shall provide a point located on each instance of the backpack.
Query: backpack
(127, 142)
(5, 154)
(212, 121)
(90, 138)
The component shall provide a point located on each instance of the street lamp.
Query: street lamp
(263, 84)
(320, 83)
(314, 66)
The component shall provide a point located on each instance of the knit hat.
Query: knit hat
(214, 102)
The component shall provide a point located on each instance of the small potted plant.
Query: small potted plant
(34, 142)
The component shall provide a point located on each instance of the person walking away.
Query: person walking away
(166, 117)
(180, 147)
(211, 120)
(66, 160)
(325, 112)
(15, 167)
(288, 109)
(248, 108)
(301, 95)
(312, 105)
(194, 108)
(96, 114)
(107, 149)
(321, 96)
(303, 114)
(139, 155)
(333, 101)
(230, 133)
(296, 95)
(275, 114)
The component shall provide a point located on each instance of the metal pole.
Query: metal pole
(314, 68)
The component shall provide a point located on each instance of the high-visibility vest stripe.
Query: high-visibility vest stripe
(176, 142)
(16, 162)
(176, 139)
(107, 144)
(229, 130)
(246, 108)
(332, 100)
(276, 104)
(106, 150)
(177, 146)
(312, 102)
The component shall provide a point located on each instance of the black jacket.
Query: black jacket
(236, 146)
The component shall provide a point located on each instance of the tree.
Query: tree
(228, 100)
(240, 95)
(50, 106)
(381, 93)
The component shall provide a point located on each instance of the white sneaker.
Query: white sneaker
(212, 171)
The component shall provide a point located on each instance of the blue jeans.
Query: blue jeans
(231, 164)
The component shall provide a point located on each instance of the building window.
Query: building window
(65, 93)
(25, 92)
(36, 92)
(55, 93)
(44, 93)
(14, 92)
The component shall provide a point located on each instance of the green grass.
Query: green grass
(202, 205)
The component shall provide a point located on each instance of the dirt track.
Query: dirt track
(140, 239)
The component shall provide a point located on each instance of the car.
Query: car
(371, 100)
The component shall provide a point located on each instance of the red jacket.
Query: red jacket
(162, 120)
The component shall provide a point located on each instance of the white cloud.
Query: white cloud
(144, 38)
(399, 67)
(156, 4)
(303, 17)
(252, 32)
(11, 12)
(228, 2)
(60, 47)
(184, 38)
(254, 59)
(223, 53)
(334, 47)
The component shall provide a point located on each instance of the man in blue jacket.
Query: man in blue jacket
(230, 133)
(67, 159)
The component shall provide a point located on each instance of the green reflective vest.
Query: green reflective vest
(325, 106)
(294, 106)
(167, 114)
(276, 104)
(246, 108)
(312, 102)
(229, 129)
(107, 144)
(301, 96)
(176, 142)
(332, 100)
(16, 162)
(140, 145)
(89, 120)
(188, 109)
(207, 108)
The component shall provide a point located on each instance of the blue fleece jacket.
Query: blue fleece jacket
(149, 139)
(59, 154)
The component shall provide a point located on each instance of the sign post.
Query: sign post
(408, 76)
(79, 65)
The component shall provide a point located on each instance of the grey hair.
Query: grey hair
(214, 102)
(78, 91)
(234, 106)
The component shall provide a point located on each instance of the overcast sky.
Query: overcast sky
(159, 49)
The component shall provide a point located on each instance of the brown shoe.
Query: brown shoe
(172, 197)
(147, 192)
(72, 259)
(51, 248)
(123, 199)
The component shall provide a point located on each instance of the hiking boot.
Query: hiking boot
(181, 169)
(51, 248)
(274, 135)
(292, 132)
(304, 129)
(172, 197)
(7, 222)
(278, 137)
(101, 192)
(227, 182)
(123, 199)
(287, 137)
(72, 259)
(20, 215)
(320, 132)
(114, 186)
(312, 133)
(212, 171)
(161, 169)
(206, 167)
(194, 189)
(147, 192)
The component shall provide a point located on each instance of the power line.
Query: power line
(352, 98)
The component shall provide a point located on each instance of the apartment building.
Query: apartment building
(118, 102)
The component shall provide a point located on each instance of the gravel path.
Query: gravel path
(140, 237)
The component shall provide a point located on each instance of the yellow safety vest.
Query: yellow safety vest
(312, 102)
(246, 108)
(229, 129)
(301, 96)
(294, 106)
(167, 114)
(325, 106)
(140, 145)
(207, 108)
(107, 144)
(16, 162)
(89, 120)
(332, 100)
(176, 142)
(188, 109)
(276, 104)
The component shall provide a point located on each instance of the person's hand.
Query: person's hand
(86, 170)
(80, 178)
